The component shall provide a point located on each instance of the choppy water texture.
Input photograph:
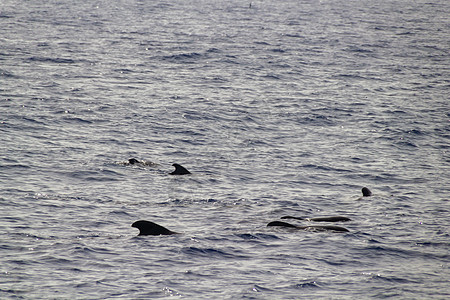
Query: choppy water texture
(277, 108)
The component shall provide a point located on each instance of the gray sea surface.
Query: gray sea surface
(276, 107)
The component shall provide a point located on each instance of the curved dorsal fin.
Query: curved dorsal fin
(179, 170)
(150, 228)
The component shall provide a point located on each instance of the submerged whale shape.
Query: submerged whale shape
(366, 192)
(319, 228)
(150, 228)
(134, 161)
(179, 170)
(320, 219)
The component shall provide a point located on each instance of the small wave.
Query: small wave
(15, 166)
(259, 288)
(375, 251)
(123, 71)
(95, 175)
(325, 168)
(7, 74)
(403, 143)
(51, 60)
(392, 279)
(257, 236)
(188, 201)
(120, 213)
(294, 35)
(87, 251)
(444, 245)
(278, 50)
(213, 50)
(359, 50)
(316, 120)
(170, 292)
(183, 57)
(207, 252)
(272, 76)
(53, 260)
(77, 120)
(307, 285)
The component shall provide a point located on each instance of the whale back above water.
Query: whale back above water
(320, 219)
(137, 162)
(179, 170)
(280, 223)
(150, 228)
(318, 228)
(133, 161)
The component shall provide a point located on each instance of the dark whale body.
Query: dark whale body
(179, 170)
(320, 219)
(318, 228)
(150, 228)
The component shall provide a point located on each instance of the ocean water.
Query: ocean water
(276, 107)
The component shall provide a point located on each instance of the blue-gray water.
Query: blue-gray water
(282, 108)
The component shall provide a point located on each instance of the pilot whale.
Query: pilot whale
(150, 228)
(313, 228)
(179, 170)
(320, 219)
(134, 161)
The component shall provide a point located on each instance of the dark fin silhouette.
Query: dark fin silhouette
(179, 170)
(150, 228)
(291, 217)
(366, 192)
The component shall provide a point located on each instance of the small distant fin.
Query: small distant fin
(366, 192)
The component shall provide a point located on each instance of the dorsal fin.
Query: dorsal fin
(179, 170)
(150, 228)
(366, 192)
